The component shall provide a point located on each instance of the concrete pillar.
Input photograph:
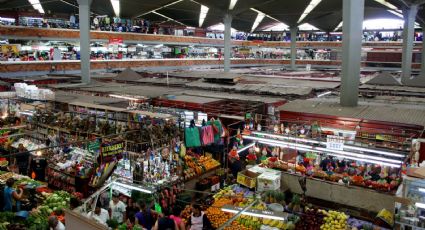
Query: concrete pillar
(84, 14)
(423, 52)
(408, 34)
(227, 41)
(294, 31)
(353, 11)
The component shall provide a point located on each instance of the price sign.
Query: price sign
(111, 151)
(335, 142)
(215, 187)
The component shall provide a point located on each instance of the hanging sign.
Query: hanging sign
(113, 41)
(335, 142)
(111, 151)
(93, 146)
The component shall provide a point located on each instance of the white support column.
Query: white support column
(408, 33)
(353, 11)
(422, 75)
(294, 31)
(84, 14)
(227, 41)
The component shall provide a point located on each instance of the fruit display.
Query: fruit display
(334, 220)
(196, 165)
(351, 174)
(311, 219)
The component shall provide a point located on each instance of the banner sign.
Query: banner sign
(113, 41)
(111, 151)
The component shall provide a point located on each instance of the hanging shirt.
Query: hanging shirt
(207, 135)
(192, 137)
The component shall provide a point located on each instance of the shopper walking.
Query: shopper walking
(198, 220)
(165, 223)
(22, 159)
(10, 194)
(177, 219)
(145, 216)
(99, 214)
(117, 208)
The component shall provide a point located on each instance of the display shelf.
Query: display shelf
(410, 225)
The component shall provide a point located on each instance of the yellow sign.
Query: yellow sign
(11, 48)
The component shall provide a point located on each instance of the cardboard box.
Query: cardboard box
(247, 178)
(268, 181)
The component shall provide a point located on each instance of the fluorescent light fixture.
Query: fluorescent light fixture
(421, 190)
(159, 46)
(324, 94)
(37, 5)
(286, 137)
(168, 18)
(295, 147)
(232, 4)
(360, 155)
(159, 8)
(387, 4)
(116, 7)
(124, 97)
(397, 13)
(203, 14)
(246, 147)
(399, 155)
(308, 9)
(133, 187)
(255, 213)
(276, 142)
(364, 160)
(338, 26)
(260, 17)
(420, 205)
(258, 11)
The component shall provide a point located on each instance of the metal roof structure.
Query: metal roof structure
(383, 112)
(325, 14)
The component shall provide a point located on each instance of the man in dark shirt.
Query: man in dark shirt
(39, 166)
(22, 159)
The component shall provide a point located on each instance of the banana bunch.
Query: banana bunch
(250, 222)
(274, 223)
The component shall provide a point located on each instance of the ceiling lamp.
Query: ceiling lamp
(203, 14)
(260, 17)
(387, 4)
(37, 6)
(232, 4)
(116, 7)
(308, 9)
(396, 13)
(338, 26)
